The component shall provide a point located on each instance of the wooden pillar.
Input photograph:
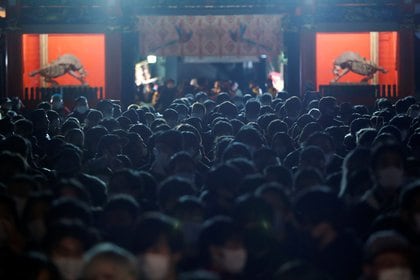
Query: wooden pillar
(406, 62)
(113, 65)
(14, 64)
(307, 59)
(129, 58)
(292, 70)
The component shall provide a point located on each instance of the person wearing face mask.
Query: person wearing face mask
(66, 242)
(166, 144)
(409, 210)
(333, 162)
(81, 109)
(387, 169)
(222, 249)
(388, 256)
(57, 105)
(329, 111)
(106, 107)
(157, 243)
(324, 239)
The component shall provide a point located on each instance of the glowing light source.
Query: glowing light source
(151, 59)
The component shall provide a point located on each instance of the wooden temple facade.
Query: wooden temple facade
(117, 21)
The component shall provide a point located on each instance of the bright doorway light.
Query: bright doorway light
(152, 59)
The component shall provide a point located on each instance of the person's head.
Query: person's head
(167, 143)
(223, 181)
(182, 110)
(108, 261)
(388, 163)
(320, 214)
(68, 124)
(40, 121)
(328, 106)
(293, 107)
(69, 209)
(136, 149)
(81, 105)
(24, 128)
(365, 137)
(409, 204)
(118, 218)
(251, 137)
(308, 130)
(325, 142)
(356, 178)
(403, 123)
(222, 128)
(252, 109)
(66, 243)
(56, 102)
(198, 110)
(109, 145)
(222, 247)
(266, 99)
(91, 138)
(106, 107)
(75, 136)
(275, 126)
(157, 243)
(312, 157)
(93, 118)
(228, 109)
(55, 122)
(171, 189)
(125, 181)
(171, 117)
(387, 255)
(69, 161)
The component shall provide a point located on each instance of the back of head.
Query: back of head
(121, 262)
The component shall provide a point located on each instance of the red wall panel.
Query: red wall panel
(89, 48)
(331, 45)
(388, 57)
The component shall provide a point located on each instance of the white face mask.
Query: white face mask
(397, 273)
(234, 260)
(70, 268)
(391, 177)
(155, 266)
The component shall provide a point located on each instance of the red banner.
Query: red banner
(210, 35)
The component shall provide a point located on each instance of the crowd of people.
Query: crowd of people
(211, 186)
